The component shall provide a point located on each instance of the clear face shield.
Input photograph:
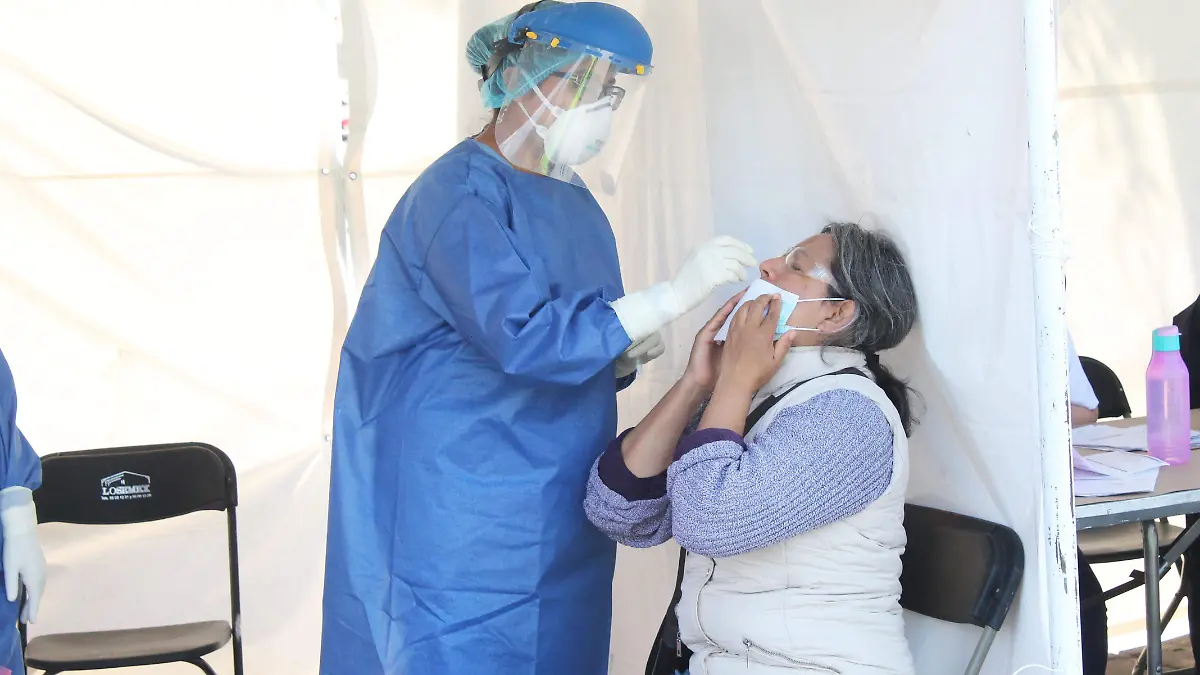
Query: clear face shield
(572, 112)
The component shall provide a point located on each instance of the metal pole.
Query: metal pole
(1153, 618)
(1058, 546)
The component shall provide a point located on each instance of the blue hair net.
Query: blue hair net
(494, 92)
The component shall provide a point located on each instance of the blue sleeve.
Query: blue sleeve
(19, 464)
(477, 280)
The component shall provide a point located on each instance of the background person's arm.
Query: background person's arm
(1081, 416)
(1084, 404)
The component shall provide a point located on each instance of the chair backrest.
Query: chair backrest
(114, 486)
(958, 568)
(1108, 388)
(117, 486)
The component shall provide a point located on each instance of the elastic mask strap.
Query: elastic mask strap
(559, 112)
(813, 330)
(539, 128)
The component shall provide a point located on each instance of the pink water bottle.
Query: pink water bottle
(1168, 404)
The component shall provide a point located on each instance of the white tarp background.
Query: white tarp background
(1129, 78)
(164, 275)
(1129, 90)
(163, 278)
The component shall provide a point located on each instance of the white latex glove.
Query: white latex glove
(639, 354)
(23, 560)
(718, 262)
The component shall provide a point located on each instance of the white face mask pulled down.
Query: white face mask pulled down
(576, 135)
(761, 287)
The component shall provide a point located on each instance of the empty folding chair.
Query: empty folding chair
(961, 569)
(120, 486)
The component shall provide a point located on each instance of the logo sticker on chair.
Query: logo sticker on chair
(125, 485)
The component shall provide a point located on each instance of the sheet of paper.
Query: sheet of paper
(1114, 463)
(1108, 473)
(1106, 437)
(1097, 434)
(1088, 484)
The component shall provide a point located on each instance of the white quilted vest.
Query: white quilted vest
(825, 601)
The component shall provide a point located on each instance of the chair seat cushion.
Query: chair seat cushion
(1122, 542)
(122, 648)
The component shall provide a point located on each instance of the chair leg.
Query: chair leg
(202, 665)
(981, 650)
(1140, 667)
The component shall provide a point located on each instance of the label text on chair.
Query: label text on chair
(125, 485)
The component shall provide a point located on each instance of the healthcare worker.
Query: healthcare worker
(22, 560)
(478, 380)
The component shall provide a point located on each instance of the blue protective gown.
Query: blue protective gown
(476, 389)
(19, 466)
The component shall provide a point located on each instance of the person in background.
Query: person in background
(478, 379)
(1084, 404)
(1093, 616)
(804, 509)
(1188, 322)
(23, 564)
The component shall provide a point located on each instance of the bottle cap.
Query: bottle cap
(1166, 339)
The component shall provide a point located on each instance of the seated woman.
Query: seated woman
(794, 527)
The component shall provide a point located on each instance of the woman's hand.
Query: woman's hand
(705, 360)
(751, 354)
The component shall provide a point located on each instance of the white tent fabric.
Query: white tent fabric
(163, 278)
(174, 261)
(1130, 98)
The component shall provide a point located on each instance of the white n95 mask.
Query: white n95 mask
(576, 135)
(788, 302)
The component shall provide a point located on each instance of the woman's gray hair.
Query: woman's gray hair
(869, 269)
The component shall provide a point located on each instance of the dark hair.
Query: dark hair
(869, 269)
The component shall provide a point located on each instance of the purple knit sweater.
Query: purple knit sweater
(816, 463)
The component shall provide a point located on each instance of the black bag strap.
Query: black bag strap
(663, 659)
(757, 414)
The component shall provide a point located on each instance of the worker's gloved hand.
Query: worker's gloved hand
(718, 262)
(639, 354)
(24, 564)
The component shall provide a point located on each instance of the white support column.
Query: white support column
(1058, 547)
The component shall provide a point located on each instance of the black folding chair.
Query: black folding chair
(120, 486)
(961, 569)
(1109, 390)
